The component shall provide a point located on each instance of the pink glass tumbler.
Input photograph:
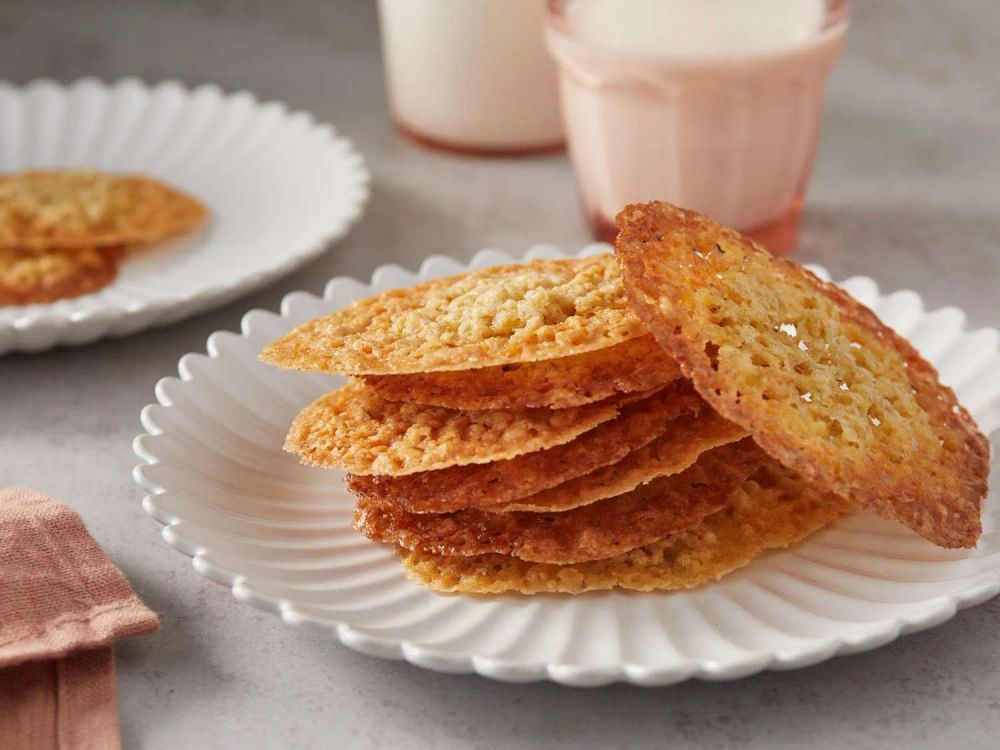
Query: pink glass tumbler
(731, 134)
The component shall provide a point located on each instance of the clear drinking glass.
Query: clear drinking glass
(471, 75)
(684, 101)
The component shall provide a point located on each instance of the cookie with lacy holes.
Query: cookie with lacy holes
(819, 382)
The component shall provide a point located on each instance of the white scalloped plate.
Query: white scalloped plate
(280, 186)
(279, 533)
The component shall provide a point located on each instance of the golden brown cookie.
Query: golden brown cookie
(593, 532)
(34, 276)
(635, 365)
(63, 209)
(354, 429)
(813, 375)
(773, 510)
(686, 438)
(542, 309)
(482, 485)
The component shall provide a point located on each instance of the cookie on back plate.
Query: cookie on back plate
(813, 375)
(34, 276)
(62, 209)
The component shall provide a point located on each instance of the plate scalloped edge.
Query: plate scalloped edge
(369, 641)
(40, 327)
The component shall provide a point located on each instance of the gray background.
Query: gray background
(905, 190)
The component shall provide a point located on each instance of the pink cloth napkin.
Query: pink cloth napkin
(62, 604)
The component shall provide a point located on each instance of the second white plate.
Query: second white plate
(280, 188)
(279, 534)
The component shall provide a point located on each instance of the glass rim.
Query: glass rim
(835, 23)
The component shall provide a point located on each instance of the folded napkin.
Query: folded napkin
(62, 604)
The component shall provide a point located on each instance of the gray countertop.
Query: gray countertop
(905, 190)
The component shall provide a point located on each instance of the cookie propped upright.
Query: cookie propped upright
(813, 375)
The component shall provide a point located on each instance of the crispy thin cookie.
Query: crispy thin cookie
(30, 277)
(543, 309)
(593, 532)
(353, 429)
(814, 376)
(504, 481)
(772, 511)
(64, 209)
(636, 365)
(679, 447)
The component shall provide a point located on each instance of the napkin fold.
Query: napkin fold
(62, 604)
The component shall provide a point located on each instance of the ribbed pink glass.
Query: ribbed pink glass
(732, 136)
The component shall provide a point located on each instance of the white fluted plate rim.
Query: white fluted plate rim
(852, 587)
(282, 188)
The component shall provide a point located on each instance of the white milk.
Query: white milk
(696, 27)
(471, 74)
(713, 105)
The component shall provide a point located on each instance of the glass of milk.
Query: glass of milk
(471, 75)
(713, 105)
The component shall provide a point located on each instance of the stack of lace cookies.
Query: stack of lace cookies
(560, 426)
(63, 233)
